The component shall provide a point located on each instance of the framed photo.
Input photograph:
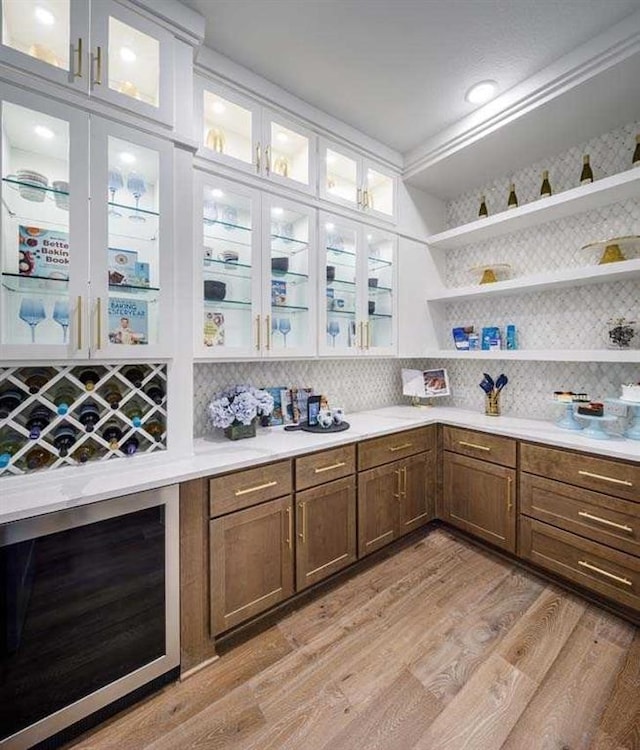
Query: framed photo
(425, 383)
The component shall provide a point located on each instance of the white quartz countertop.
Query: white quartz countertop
(31, 495)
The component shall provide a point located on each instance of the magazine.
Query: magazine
(299, 399)
(276, 416)
(213, 328)
(43, 252)
(286, 405)
(128, 320)
(278, 292)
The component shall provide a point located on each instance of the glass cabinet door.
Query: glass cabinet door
(379, 329)
(341, 325)
(48, 38)
(340, 178)
(131, 257)
(289, 155)
(379, 193)
(44, 232)
(289, 290)
(131, 61)
(229, 322)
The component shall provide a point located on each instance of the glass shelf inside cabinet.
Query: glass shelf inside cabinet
(292, 308)
(47, 40)
(228, 303)
(288, 245)
(48, 285)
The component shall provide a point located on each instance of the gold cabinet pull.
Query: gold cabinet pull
(97, 81)
(365, 199)
(404, 483)
(398, 494)
(612, 576)
(361, 335)
(257, 333)
(77, 73)
(606, 522)
(267, 160)
(258, 157)
(337, 465)
(475, 445)
(99, 316)
(267, 321)
(303, 526)
(509, 493)
(604, 478)
(289, 527)
(402, 447)
(79, 313)
(366, 326)
(249, 490)
(359, 197)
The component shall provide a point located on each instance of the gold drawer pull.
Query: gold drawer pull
(474, 445)
(402, 447)
(613, 577)
(255, 489)
(337, 465)
(606, 479)
(289, 527)
(509, 494)
(622, 527)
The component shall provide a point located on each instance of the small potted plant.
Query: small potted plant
(621, 332)
(236, 410)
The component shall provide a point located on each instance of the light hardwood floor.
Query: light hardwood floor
(440, 646)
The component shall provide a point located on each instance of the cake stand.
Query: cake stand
(568, 421)
(633, 430)
(594, 429)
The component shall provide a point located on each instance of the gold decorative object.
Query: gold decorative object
(216, 140)
(44, 53)
(613, 249)
(492, 272)
(612, 254)
(129, 89)
(281, 166)
(492, 404)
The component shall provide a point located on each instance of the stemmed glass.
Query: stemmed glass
(61, 316)
(274, 325)
(137, 187)
(32, 312)
(284, 326)
(116, 182)
(333, 329)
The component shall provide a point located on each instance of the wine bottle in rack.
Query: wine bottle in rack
(134, 375)
(545, 189)
(586, 176)
(8, 449)
(10, 400)
(483, 207)
(155, 428)
(64, 436)
(155, 391)
(130, 445)
(37, 458)
(84, 453)
(635, 160)
(63, 397)
(112, 433)
(36, 379)
(113, 396)
(88, 378)
(512, 201)
(134, 413)
(89, 415)
(39, 418)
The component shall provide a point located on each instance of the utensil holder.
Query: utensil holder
(492, 404)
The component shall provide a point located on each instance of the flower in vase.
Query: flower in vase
(239, 404)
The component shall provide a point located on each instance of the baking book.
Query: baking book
(43, 252)
(278, 292)
(126, 270)
(213, 328)
(276, 416)
(128, 321)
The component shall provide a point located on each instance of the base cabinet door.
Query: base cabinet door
(479, 497)
(417, 496)
(326, 530)
(378, 497)
(251, 562)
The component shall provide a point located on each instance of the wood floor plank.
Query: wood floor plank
(482, 714)
(619, 725)
(566, 707)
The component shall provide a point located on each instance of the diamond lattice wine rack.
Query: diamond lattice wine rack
(68, 415)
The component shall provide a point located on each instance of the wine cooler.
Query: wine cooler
(67, 415)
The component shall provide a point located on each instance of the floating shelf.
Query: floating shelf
(541, 355)
(603, 192)
(563, 278)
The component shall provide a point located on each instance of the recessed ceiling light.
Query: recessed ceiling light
(44, 16)
(217, 193)
(44, 132)
(282, 137)
(127, 158)
(329, 227)
(277, 211)
(481, 92)
(218, 107)
(127, 55)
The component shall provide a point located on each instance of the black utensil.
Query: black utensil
(489, 379)
(486, 387)
(501, 381)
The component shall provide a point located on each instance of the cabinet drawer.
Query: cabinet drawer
(599, 517)
(600, 474)
(325, 466)
(498, 450)
(606, 571)
(231, 492)
(392, 447)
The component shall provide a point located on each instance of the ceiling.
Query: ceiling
(398, 70)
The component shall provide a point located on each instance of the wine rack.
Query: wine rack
(67, 415)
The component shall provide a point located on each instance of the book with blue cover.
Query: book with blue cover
(43, 252)
(128, 321)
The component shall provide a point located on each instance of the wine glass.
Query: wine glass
(333, 329)
(32, 312)
(137, 186)
(61, 316)
(284, 326)
(274, 325)
(116, 182)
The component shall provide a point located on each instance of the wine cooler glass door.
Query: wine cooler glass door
(43, 259)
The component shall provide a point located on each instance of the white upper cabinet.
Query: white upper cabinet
(350, 180)
(100, 48)
(237, 131)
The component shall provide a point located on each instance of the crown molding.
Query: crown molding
(182, 22)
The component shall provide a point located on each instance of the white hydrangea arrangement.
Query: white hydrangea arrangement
(240, 404)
